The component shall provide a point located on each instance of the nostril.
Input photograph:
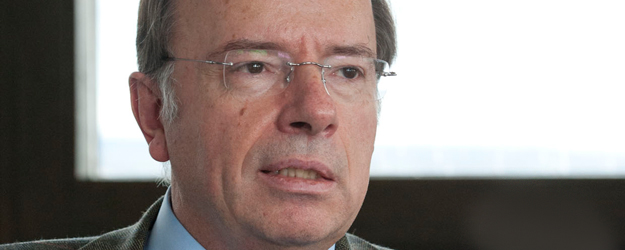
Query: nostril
(301, 125)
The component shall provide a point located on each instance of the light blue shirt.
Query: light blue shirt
(168, 233)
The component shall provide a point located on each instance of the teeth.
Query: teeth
(301, 173)
(297, 173)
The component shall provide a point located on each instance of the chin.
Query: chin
(305, 235)
(299, 228)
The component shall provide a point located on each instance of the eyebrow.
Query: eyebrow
(245, 44)
(349, 50)
(352, 50)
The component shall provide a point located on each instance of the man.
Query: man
(267, 112)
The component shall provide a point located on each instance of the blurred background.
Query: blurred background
(503, 129)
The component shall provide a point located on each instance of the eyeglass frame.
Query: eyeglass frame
(291, 64)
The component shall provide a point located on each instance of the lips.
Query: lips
(296, 173)
(294, 168)
(298, 176)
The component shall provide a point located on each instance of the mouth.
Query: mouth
(293, 172)
(298, 176)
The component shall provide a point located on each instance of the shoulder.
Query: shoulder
(112, 240)
(72, 243)
(354, 242)
(129, 238)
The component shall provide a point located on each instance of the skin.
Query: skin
(219, 143)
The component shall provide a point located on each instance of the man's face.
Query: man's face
(225, 150)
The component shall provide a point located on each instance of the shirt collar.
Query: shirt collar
(167, 232)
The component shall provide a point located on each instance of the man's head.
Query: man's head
(229, 153)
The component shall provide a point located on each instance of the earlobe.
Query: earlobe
(146, 107)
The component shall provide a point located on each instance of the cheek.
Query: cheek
(361, 125)
(214, 129)
(222, 136)
(230, 129)
(359, 136)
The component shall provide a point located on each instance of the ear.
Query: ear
(146, 107)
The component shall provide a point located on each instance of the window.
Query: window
(116, 148)
(484, 89)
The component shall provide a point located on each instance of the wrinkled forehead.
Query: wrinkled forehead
(203, 26)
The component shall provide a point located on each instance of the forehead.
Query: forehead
(203, 26)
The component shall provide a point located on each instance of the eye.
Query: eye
(349, 72)
(254, 67)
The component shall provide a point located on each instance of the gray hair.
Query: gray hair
(154, 32)
(155, 29)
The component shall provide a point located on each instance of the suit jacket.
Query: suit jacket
(134, 237)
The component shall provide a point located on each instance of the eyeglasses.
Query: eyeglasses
(253, 73)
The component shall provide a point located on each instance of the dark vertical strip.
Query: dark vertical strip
(7, 121)
(42, 124)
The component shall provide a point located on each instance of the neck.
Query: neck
(213, 233)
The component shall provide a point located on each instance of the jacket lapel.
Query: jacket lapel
(343, 244)
(129, 238)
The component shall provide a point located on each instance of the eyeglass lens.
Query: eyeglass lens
(256, 73)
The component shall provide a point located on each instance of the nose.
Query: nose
(308, 109)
